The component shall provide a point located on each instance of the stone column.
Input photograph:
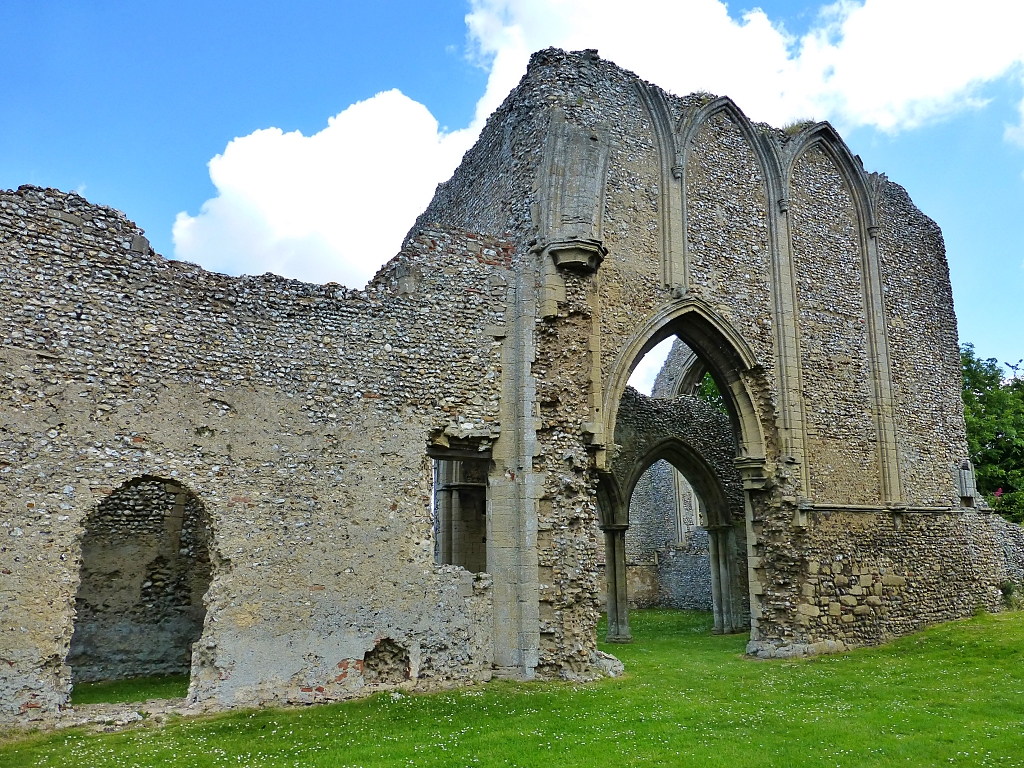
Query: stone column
(725, 580)
(617, 596)
(443, 510)
(716, 581)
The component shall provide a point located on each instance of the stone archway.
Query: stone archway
(687, 432)
(697, 439)
(145, 569)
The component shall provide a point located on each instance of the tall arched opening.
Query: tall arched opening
(145, 570)
(719, 450)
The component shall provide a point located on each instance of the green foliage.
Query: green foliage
(708, 390)
(1012, 597)
(132, 689)
(947, 696)
(994, 413)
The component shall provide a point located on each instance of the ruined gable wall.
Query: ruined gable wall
(652, 527)
(652, 514)
(298, 415)
(831, 373)
(669, 379)
(922, 337)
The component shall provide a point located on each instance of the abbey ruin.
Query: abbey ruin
(304, 493)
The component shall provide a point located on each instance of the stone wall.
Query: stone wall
(684, 574)
(840, 433)
(652, 513)
(1010, 538)
(300, 417)
(919, 320)
(871, 579)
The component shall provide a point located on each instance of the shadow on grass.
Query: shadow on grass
(130, 690)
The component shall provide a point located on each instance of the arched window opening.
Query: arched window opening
(145, 570)
(646, 376)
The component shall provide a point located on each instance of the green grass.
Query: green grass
(953, 695)
(133, 689)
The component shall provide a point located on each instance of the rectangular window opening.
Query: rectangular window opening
(460, 512)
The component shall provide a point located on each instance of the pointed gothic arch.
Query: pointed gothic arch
(722, 350)
(825, 138)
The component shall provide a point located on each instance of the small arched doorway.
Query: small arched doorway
(144, 572)
(667, 556)
(694, 438)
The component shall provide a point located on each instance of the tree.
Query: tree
(994, 414)
(708, 390)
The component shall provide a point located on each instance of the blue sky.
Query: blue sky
(130, 102)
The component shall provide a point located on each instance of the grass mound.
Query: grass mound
(953, 695)
(132, 689)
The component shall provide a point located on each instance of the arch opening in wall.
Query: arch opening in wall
(668, 561)
(717, 443)
(145, 569)
(717, 349)
(702, 463)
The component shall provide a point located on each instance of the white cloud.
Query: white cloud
(328, 207)
(335, 206)
(891, 64)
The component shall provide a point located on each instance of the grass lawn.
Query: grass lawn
(133, 689)
(953, 695)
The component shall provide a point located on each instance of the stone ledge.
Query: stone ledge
(769, 649)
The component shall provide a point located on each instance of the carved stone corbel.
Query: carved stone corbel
(754, 473)
(577, 254)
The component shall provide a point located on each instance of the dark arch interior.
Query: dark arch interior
(144, 572)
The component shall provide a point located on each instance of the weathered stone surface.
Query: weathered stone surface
(145, 569)
(596, 216)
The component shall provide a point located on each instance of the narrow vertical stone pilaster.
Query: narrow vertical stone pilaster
(618, 598)
(512, 522)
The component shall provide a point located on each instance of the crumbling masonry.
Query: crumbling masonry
(240, 473)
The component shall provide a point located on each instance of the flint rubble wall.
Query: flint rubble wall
(298, 414)
(145, 570)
